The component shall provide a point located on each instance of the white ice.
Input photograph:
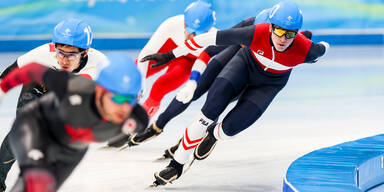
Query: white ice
(338, 99)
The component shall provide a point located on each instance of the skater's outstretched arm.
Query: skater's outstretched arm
(35, 72)
(244, 36)
(32, 72)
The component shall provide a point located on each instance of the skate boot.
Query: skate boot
(118, 142)
(170, 173)
(149, 133)
(168, 153)
(205, 148)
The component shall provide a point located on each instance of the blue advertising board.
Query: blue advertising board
(35, 19)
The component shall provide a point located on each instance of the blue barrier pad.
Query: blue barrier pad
(351, 166)
(15, 45)
(100, 44)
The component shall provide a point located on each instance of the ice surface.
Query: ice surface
(338, 99)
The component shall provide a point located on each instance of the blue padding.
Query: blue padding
(119, 44)
(351, 166)
(20, 45)
(351, 39)
(100, 44)
(139, 43)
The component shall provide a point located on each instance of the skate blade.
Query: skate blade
(9, 161)
(153, 185)
(105, 147)
(186, 168)
(123, 148)
(162, 159)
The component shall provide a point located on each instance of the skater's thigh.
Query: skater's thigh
(64, 162)
(243, 115)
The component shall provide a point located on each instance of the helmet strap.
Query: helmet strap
(83, 61)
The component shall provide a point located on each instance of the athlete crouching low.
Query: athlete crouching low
(256, 74)
(51, 134)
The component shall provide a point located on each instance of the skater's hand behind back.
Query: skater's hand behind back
(186, 93)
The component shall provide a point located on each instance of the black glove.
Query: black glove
(161, 58)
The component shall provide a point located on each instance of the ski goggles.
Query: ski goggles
(289, 34)
(72, 56)
(121, 99)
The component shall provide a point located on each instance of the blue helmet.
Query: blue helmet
(73, 32)
(119, 75)
(287, 15)
(199, 17)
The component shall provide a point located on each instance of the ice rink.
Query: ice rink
(338, 99)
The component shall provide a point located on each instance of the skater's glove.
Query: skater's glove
(161, 58)
(186, 93)
(326, 45)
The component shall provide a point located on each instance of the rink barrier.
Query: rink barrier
(353, 166)
(22, 44)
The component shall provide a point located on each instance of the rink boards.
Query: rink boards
(352, 166)
(129, 42)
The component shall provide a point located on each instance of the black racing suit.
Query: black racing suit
(29, 92)
(61, 124)
(214, 67)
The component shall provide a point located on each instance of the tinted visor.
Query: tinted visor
(121, 99)
(289, 34)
